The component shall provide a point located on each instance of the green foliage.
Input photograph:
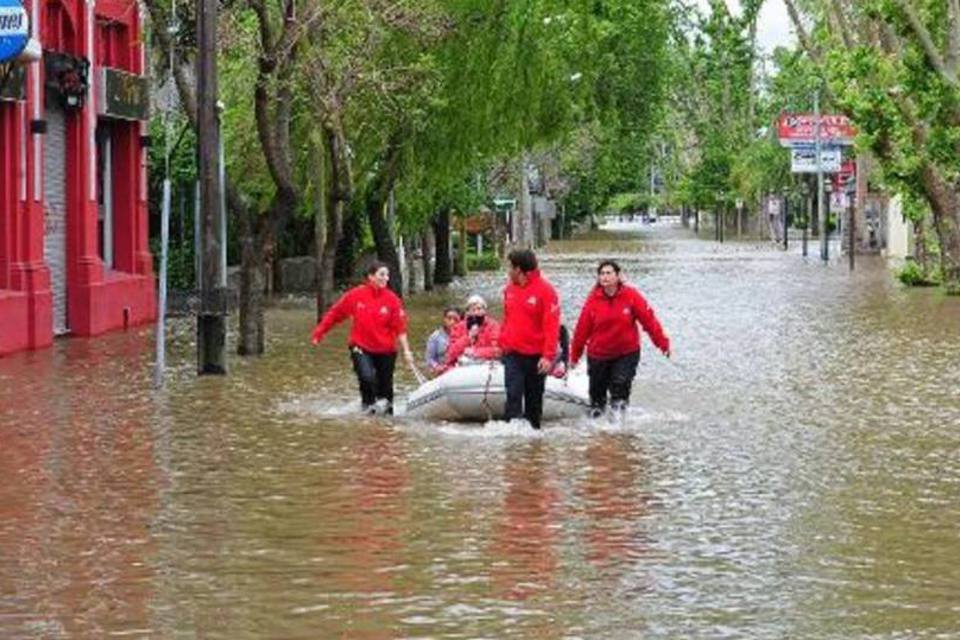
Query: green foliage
(913, 275)
(483, 262)
(181, 274)
(448, 89)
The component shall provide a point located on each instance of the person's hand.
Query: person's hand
(544, 366)
(468, 352)
(409, 358)
(474, 332)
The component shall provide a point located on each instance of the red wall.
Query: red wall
(98, 299)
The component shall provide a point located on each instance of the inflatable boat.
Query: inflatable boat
(475, 392)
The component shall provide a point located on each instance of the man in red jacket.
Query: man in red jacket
(528, 336)
(379, 322)
(608, 329)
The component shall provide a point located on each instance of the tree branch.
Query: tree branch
(802, 34)
(926, 41)
(842, 25)
(953, 36)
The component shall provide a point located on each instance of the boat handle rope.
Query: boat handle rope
(486, 391)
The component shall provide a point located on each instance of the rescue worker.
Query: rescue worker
(379, 323)
(528, 336)
(608, 330)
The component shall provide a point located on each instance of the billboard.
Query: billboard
(801, 128)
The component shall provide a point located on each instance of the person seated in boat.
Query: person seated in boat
(561, 362)
(439, 341)
(477, 336)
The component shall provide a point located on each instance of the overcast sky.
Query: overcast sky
(773, 27)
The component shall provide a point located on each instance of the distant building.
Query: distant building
(73, 182)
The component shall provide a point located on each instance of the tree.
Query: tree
(892, 67)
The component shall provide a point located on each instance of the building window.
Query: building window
(105, 193)
(113, 45)
(58, 28)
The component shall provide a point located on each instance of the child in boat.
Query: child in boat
(439, 341)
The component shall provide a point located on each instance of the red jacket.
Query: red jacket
(608, 325)
(378, 318)
(486, 346)
(531, 318)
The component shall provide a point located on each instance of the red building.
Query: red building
(74, 257)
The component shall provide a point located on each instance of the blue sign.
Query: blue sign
(14, 29)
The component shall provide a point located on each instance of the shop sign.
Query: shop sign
(14, 29)
(124, 95)
(801, 128)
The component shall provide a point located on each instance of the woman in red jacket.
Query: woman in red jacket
(607, 328)
(379, 322)
(476, 336)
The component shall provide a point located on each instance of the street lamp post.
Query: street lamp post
(828, 192)
(739, 218)
(851, 190)
(805, 194)
(719, 216)
(824, 240)
(786, 215)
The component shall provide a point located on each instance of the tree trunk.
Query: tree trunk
(920, 251)
(413, 280)
(338, 194)
(375, 205)
(250, 341)
(945, 204)
(427, 241)
(320, 223)
(443, 274)
(383, 238)
(460, 268)
(523, 235)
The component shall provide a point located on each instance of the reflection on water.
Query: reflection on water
(794, 472)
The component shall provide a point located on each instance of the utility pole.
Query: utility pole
(824, 246)
(212, 317)
(808, 211)
(852, 194)
(786, 216)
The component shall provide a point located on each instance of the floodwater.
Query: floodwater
(794, 472)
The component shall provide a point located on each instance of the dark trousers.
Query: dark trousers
(374, 374)
(613, 376)
(525, 387)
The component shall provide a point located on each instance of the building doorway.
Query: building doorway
(55, 211)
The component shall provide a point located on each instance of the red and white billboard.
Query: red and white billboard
(801, 128)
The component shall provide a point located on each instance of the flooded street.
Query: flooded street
(793, 472)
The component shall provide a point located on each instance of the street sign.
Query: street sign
(803, 159)
(14, 29)
(839, 202)
(801, 128)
